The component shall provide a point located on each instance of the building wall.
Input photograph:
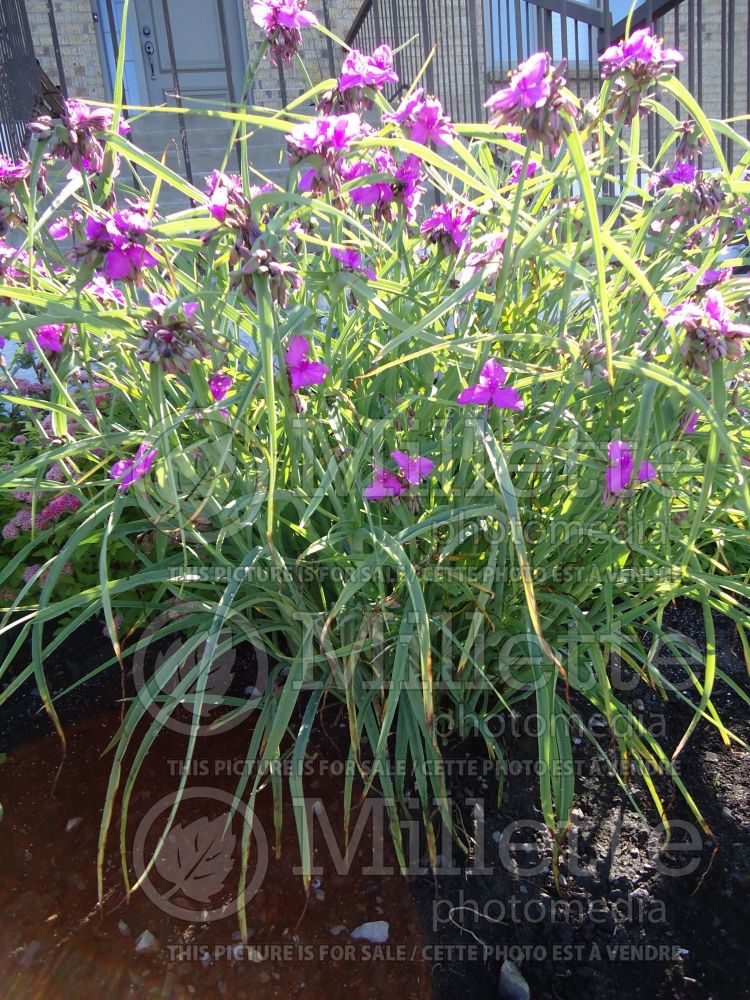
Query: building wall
(78, 45)
(450, 80)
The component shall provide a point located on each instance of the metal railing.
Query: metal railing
(456, 70)
(477, 42)
(19, 77)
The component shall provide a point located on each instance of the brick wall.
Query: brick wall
(78, 45)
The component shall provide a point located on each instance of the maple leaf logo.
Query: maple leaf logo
(197, 858)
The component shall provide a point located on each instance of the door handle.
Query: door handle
(148, 48)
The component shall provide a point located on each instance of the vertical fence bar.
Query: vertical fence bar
(176, 85)
(56, 47)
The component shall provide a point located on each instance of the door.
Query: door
(207, 41)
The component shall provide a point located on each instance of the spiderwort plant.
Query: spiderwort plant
(479, 324)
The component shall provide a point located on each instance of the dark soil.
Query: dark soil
(624, 921)
(619, 893)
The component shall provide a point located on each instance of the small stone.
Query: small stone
(512, 984)
(147, 944)
(123, 928)
(338, 929)
(497, 836)
(374, 931)
(319, 895)
(577, 815)
(727, 813)
(73, 823)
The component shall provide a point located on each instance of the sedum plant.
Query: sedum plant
(443, 425)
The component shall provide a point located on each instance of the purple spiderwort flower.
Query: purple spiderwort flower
(710, 277)
(425, 119)
(385, 484)
(689, 423)
(491, 390)
(131, 469)
(448, 226)
(352, 260)
(49, 337)
(300, 369)
(400, 184)
(635, 64)
(529, 87)
(13, 172)
(219, 386)
(326, 135)
(515, 170)
(360, 70)
(620, 470)
(103, 290)
(681, 173)
(642, 55)
(413, 469)
(533, 101)
(282, 21)
(710, 331)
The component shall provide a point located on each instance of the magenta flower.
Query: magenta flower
(374, 71)
(219, 386)
(119, 243)
(399, 185)
(681, 173)
(103, 290)
(13, 172)
(642, 54)
(491, 390)
(529, 87)
(620, 471)
(131, 469)
(516, 167)
(413, 470)
(352, 260)
(448, 226)
(385, 484)
(710, 331)
(425, 119)
(690, 422)
(300, 369)
(326, 135)
(77, 134)
(49, 338)
(533, 100)
(375, 192)
(282, 21)
(635, 64)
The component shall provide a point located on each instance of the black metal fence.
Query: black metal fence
(478, 41)
(19, 78)
(456, 70)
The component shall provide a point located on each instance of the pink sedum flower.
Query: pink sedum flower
(129, 470)
(491, 390)
(300, 370)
